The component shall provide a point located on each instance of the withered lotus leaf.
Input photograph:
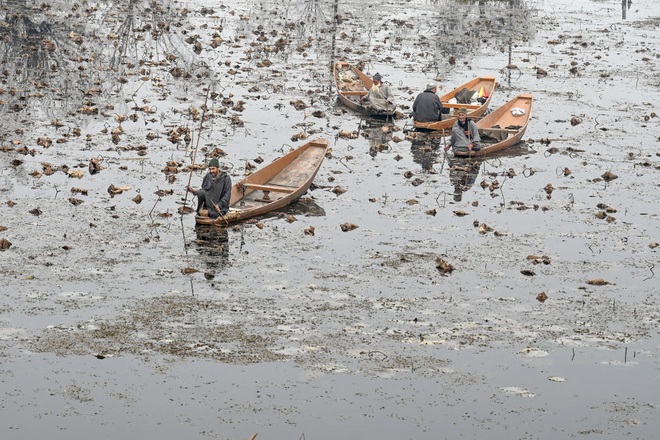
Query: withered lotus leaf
(4, 244)
(35, 211)
(412, 202)
(460, 213)
(598, 282)
(3, 228)
(290, 218)
(78, 174)
(260, 225)
(310, 230)
(338, 190)
(188, 270)
(527, 272)
(137, 199)
(654, 245)
(608, 176)
(484, 228)
(74, 201)
(443, 266)
(348, 227)
(185, 210)
(541, 297)
(432, 212)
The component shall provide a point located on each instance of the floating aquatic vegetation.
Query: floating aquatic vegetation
(348, 227)
(598, 282)
(443, 266)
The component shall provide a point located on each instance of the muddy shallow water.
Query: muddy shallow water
(119, 317)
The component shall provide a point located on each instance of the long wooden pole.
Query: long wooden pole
(199, 135)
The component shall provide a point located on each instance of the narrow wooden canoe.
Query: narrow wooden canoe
(474, 110)
(352, 84)
(503, 127)
(274, 186)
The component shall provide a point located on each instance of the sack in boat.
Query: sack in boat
(517, 111)
(464, 96)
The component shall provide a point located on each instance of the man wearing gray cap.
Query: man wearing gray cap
(427, 106)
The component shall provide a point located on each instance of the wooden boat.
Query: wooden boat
(272, 187)
(352, 84)
(503, 127)
(474, 110)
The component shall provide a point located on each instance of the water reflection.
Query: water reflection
(212, 244)
(463, 173)
(427, 149)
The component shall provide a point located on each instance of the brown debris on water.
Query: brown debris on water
(80, 191)
(44, 142)
(460, 213)
(484, 228)
(309, 230)
(95, 165)
(598, 282)
(137, 199)
(188, 270)
(36, 212)
(541, 297)
(528, 273)
(338, 190)
(654, 245)
(432, 212)
(345, 227)
(608, 176)
(576, 121)
(113, 190)
(348, 134)
(74, 201)
(4, 244)
(443, 266)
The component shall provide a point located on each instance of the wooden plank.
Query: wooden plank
(467, 106)
(353, 92)
(274, 188)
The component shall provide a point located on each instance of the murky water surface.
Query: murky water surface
(119, 317)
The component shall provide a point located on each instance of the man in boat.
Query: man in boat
(215, 192)
(427, 106)
(464, 134)
(379, 96)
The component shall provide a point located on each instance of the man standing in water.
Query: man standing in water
(215, 192)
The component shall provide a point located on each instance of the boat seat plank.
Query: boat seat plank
(467, 106)
(270, 187)
(354, 92)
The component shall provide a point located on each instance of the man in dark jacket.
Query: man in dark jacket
(427, 106)
(215, 192)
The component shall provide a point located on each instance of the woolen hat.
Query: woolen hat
(377, 77)
(462, 110)
(214, 163)
(431, 86)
